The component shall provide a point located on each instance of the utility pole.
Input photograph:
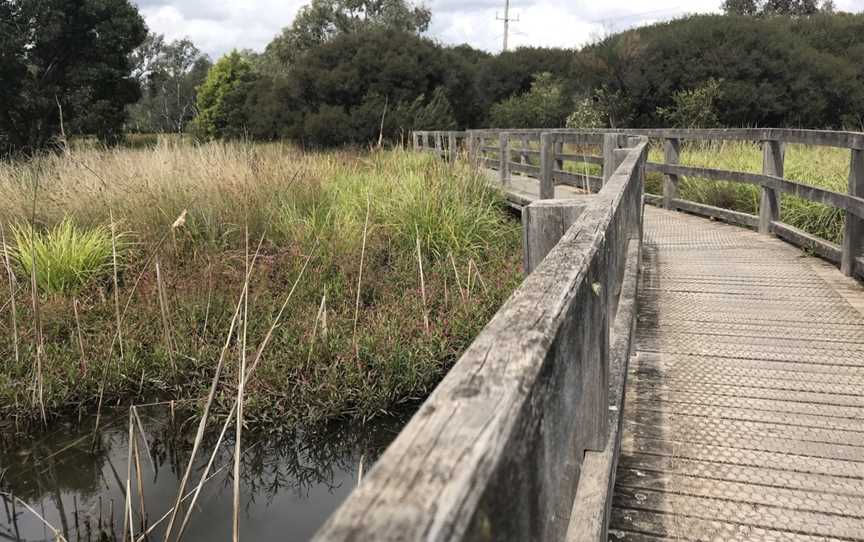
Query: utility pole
(506, 20)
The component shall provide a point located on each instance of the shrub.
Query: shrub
(586, 114)
(66, 257)
(695, 108)
(221, 97)
(544, 106)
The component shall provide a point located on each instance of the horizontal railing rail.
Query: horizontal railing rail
(849, 255)
(520, 439)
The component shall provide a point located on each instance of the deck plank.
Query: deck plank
(744, 411)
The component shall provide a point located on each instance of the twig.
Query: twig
(360, 281)
(116, 284)
(163, 310)
(12, 281)
(57, 534)
(241, 383)
(422, 283)
(83, 366)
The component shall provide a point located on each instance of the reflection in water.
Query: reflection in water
(290, 483)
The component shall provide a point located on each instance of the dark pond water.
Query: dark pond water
(290, 484)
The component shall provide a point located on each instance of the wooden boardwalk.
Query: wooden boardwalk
(744, 409)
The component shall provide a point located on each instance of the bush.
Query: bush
(586, 114)
(66, 257)
(221, 98)
(544, 106)
(695, 108)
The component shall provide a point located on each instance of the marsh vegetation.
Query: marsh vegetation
(345, 282)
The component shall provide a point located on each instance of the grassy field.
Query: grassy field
(125, 278)
(817, 166)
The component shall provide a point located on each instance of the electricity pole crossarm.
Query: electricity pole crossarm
(507, 20)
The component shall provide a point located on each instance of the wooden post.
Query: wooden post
(773, 153)
(439, 144)
(610, 143)
(547, 162)
(559, 149)
(415, 141)
(504, 158)
(543, 224)
(672, 155)
(853, 235)
(471, 145)
(451, 146)
(523, 157)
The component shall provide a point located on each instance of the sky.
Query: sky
(218, 26)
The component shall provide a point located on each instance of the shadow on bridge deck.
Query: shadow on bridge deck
(744, 410)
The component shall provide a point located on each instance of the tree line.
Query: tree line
(361, 71)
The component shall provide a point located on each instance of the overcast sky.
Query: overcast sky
(217, 26)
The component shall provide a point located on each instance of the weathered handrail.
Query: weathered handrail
(515, 440)
(849, 256)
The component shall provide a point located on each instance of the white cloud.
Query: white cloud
(218, 26)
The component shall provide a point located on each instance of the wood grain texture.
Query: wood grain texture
(496, 450)
(744, 410)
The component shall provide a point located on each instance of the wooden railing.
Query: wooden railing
(520, 439)
(489, 148)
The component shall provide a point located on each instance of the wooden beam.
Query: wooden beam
(853, 234)
(773, 154)
(610, 143)
(544, 223)
(671, 155)
(504, 158)
(547, 165)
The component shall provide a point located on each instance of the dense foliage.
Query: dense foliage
(65, 60)
(360, 72)
(775, 71)
(783, 65)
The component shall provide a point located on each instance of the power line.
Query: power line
(507, 19)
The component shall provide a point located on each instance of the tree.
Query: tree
(323, 20)
(511, 73)
(544, 106)
(741, 7)
(776, 71)
(169, 74)
(776, 7)
(695, 108)
(222, 96)
(69, 55)
(347, 84)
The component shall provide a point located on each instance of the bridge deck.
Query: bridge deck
(744, 410)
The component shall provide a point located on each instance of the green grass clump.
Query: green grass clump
(823, 167)
(63, 258)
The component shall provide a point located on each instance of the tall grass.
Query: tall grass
(302, 206)
(818, 166)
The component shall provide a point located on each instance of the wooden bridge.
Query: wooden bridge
(659, 375)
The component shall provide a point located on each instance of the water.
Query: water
(290, 484)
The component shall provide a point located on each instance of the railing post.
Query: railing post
(471, 147)
(523, 157)
(451, 146)
(853, 235)
(439, 144)
(671, 156)
(559, 149)
(773, 153)
(547, 162)
(610, 143)
(544, 223)
(504, 158)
